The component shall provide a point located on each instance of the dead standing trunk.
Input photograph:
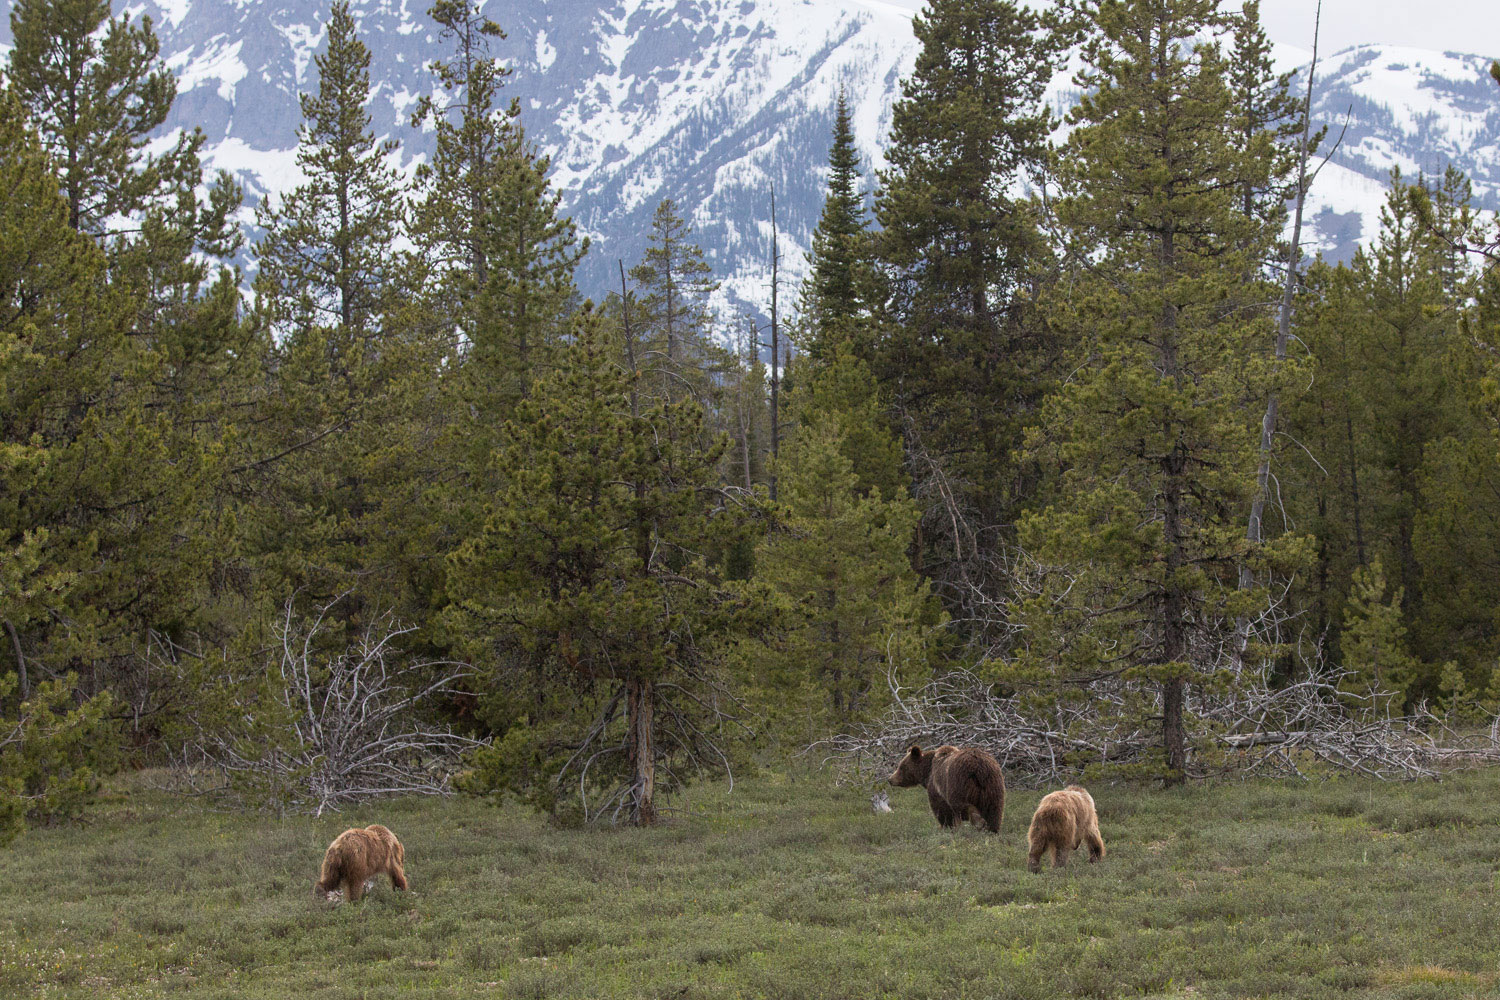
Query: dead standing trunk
(1255, 530)
(775, 350)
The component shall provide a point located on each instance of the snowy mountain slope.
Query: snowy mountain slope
(712, 102)
(1388, 108)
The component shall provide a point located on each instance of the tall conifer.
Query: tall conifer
(593, 585)
(348, 367)
(328, 258)
(1153, 426)
(676, 280)
(97, 90)
(837, 297)
(963, 359)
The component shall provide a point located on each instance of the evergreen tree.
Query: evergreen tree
(839, 390)
(352, 369)
(328, 259)
(1267, 119)
(96, 91)
(1152, 426)
(837, 298)
(101, 537)
(962, 359)
(531, 252)
(673, 318)
(451, 217)
(1384, 431)
(1375, 654)
(856, 607)
(592, 579)
(503, 259)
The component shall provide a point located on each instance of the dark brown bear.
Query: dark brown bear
(962, 783)
(356, 856)
(1064, 822)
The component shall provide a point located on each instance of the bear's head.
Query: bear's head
(914, 769)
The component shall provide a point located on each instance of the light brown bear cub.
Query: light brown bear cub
(356, 856)
(1063, 822)
(962, 784)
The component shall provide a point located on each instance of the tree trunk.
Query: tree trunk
(1174, 638)
(1254, 532)
(1174, 730)
(775, 350)
(640, 750)
(635, 406)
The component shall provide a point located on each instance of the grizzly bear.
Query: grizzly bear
(1063, 822)
(356, 856)
(962, 784)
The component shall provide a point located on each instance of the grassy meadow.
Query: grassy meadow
(785, 888)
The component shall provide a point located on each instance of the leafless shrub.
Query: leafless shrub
(325, 729)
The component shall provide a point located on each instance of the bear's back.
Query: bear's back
(958, 768)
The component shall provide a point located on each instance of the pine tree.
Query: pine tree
(962, 359)
(840, 390)
(1152, 426)
(328, 258)
(1393, 406)
(97, 91)
(856, 607)
(676, 281)
(531, 251)
(98, 539)
(837, 298)
(1267, 119)
(451, 218)
(352, 368)
(1380, 668)
(591, 580)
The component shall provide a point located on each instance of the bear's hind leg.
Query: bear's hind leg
(993, 810)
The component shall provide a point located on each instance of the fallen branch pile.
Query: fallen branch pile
(1297, 730)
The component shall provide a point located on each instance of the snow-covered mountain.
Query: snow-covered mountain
(714, 102)
(1388, 107)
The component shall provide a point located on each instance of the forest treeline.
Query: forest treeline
(1044, 422)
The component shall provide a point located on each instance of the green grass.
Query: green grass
(785, 888)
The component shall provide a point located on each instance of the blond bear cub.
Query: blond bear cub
(357, 856)
(1063, 822)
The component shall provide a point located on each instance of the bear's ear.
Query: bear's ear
(915, 751)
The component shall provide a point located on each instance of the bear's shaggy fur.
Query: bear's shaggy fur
(962, 783)
(1063, 822)
(356, 856)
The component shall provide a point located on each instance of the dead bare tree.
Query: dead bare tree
(1255, 526)
(329, 728)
